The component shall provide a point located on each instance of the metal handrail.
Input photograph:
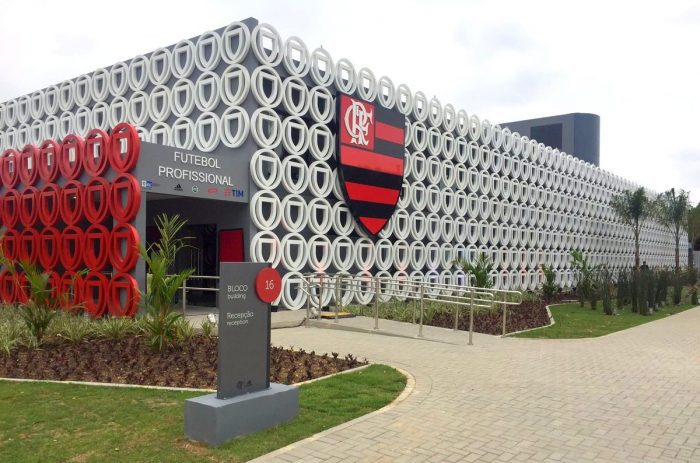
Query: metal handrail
(185, 288)
(470, 297)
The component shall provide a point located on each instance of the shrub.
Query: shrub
(605, 284)
(160, 321)
(208, 328)
(184, 330)
(74, 329)
(550, 286)
(479, 270)
(623, 288)
(11, 335)
(115, 328)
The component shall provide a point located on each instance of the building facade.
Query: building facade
(239, 133)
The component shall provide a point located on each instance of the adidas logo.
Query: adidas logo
(178, 187)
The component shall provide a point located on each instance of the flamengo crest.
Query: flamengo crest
(370, 155)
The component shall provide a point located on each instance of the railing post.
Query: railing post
(338, 302)
(308, 301)
(420, 327)
(377, 289)
(471, 316)
(413, 321)
(504, 314)
(184, 298)
(456, 327)
(320, 297)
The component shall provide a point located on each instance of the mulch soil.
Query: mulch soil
(529, 314)
(131, 361)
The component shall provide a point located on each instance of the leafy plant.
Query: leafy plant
(623, 287)
(585, 278)
(479, 270)
(208, 328)
(184, 330)
(605, 285)
(115, 328)
(74, 329)
(42, 304)
(160, 321)
(11, 335)
(550, 286)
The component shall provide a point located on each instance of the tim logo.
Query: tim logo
(358, 118)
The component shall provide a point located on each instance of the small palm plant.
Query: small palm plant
(479, 270)
(161, 321)
(43, 302)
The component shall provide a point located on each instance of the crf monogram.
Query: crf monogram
(357, 122)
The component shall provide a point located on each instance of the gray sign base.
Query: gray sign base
(215, 421)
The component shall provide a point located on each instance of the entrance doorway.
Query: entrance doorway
(214, 232)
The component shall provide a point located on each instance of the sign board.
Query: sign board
(244, 331)
(181, 172)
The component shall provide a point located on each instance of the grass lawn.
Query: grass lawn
(71, 423)
(572, 321)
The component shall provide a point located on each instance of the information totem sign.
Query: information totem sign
(246, 290)
(245, 401)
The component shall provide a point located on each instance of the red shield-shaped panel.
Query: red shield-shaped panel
(70, 160)
(21, 288)
(48, 161)
(125, 147)
(29, 206)
(94, 294)
(28, 245)
(71, 202)
(70, 249)
(49, 197)
(70, 290)
(28, 170)
(10, 244)
(7, 287)
(9, 173)
(96, 199)
(123, 295)
(97, 149)
(49, 241)
(123, 247)
(125, 198)
(370, 157)
(9, 203)
(96, 252)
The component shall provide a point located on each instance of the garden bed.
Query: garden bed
(531, 313)
(131, 361)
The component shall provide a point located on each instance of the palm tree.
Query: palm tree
(633, 207)
(672, 211)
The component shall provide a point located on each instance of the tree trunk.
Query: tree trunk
(678, 255)
(636, 250)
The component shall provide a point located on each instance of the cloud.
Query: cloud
(509, 60)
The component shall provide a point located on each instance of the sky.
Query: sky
(635, 64)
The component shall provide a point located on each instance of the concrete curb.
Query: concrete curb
(163, 388)
(122, 385)
(551, 322)
(408, 390)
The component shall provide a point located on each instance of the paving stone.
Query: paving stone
(627, 397)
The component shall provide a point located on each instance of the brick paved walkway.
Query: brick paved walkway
(632, 396)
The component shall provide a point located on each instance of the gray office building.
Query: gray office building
(577, 134)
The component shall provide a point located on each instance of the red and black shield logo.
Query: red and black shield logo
(370, 157)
